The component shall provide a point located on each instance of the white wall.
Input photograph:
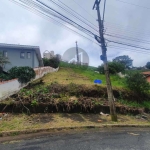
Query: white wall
(8, 88)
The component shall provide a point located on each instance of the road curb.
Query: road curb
(37, 130)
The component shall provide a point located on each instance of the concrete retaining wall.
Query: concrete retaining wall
(8, 88)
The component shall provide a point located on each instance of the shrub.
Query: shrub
(114, 67)
(5, 77)
(138, 84)
(24, 74)
(53, 62)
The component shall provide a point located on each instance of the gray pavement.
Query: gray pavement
(107, 139)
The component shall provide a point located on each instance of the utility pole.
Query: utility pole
(77, 51)
(104, 59)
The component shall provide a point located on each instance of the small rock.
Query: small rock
(137, 117)
(5, 114)
(144, 117)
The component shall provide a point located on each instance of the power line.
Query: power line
(103, 19)
(106, 22)
(77, 13)
(73, 15)
(83, 9)
(133, 4)
(127, 44)
(71, 23)
(44, 16)
(65, 17)
(128, 38)
(119, 29)
(127, 49)
(60, 16)
(87, 20)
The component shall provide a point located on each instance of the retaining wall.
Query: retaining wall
(8, 88)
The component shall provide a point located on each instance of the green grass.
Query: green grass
(145, 104)
(89, 72)
(115, 79)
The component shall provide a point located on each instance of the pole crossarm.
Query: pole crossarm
(97, 2)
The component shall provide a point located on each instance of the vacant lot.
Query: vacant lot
(79, 76)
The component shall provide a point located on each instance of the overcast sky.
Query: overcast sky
(20, 26)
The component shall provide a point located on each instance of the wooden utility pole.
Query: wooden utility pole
(104, 59)
(77, 52)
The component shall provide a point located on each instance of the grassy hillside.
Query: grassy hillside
(74, 86)
(90, 74)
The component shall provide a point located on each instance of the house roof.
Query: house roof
(26, 47)
(146, 73)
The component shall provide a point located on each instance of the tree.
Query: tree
(53, 62)
(148, 65)
(125, 60)
(3, 60)
(114, 67)
(136, 82)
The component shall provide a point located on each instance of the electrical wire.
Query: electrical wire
(77, 13)
(128, 49)
(84, 9)
(122, 38)
(65, 17)
(84, 29)
(127, 44)
(134, 4)
(73, 15)
(127, 38)
(62, 17)
(103, 19)
(48, 18)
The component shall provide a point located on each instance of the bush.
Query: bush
(24, 74)
(138, 84)
(5, 77)
(53, 62)
(114, 67)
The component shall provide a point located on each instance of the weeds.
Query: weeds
(145, 104)
(34, 103)
(130, 103)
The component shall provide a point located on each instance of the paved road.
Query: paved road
(116, 139)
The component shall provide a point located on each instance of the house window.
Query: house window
(5, 54)
(28, 55)
(22, 55)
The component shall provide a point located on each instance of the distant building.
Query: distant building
(48, 54)
(52, 53)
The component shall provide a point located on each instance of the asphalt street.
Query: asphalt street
(108, 139)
